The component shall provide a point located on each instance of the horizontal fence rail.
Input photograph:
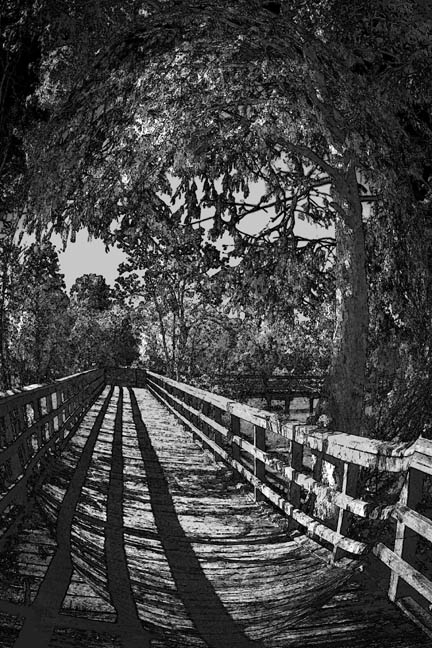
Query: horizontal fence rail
(297, 485)
(314, 479)
(281, 387)
(34, 424)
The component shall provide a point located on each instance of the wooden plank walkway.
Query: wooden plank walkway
(147, 540)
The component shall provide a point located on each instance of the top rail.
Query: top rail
(295, 480)
(34, 424)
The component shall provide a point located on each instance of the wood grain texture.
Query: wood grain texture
(165, 535)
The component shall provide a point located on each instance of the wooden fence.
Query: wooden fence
(282, 387)
(35, 423)
(295, 482)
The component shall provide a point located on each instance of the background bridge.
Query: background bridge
(147, 533)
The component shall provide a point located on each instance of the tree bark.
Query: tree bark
(345, 386)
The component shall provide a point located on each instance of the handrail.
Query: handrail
(33, 425)
(219, 423)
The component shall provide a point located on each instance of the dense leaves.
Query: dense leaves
(196, 103)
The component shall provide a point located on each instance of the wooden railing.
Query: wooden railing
(295, 480)
(279, 387)
(34, 424)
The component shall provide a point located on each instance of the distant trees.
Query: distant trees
(102, 332)
(329, 109)
(45, 334)
(169, 266)
(34, 314)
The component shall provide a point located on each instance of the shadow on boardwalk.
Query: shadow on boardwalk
(211, 620)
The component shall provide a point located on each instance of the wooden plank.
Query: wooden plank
(11, 450)
(370, 453)
(415, 521)
(412, 576)
(18, 489)
(406, 539)
(245, 412)
(352, 504)
(28, 393)
(259, 466)
(344, 501)
(349, 487)
(421, 617)
(313, 527)
(422, 459)
(296, 464)
(235, 434)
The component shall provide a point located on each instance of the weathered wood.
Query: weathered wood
(416, 613)
(235, 431)
(369, 453)
(296, 464)
(406, 539)
(422, 459)
(28, 444)
(403, 570)
(259, 465)
(349, 487)
(415, 521)
(245, 412)
(13, 464)
(313, 527)
(31, 392)
(344, 501)
(207, 566)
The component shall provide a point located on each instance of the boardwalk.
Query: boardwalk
(147, 540)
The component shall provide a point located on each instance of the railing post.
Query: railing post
(217, 415)
(311, 405)
(259, 466)
(49, 406)
(60, 414)
(22, 420)
(235, 429)
(406, 539)
(14, 462)
(296, 463)
(205, 407)
(349, 487)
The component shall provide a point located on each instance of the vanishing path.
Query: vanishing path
(157, 544)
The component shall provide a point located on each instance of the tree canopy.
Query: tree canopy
(195, 102)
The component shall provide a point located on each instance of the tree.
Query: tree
(102, 332)
(318, 109)
(91, 291)
(168, 265)
(39, 318)
(10, 260)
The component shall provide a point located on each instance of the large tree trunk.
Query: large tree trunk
(345, 386)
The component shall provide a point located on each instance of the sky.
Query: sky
(86, 257)
(89, 256)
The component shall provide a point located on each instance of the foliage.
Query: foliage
(198, 100)
(102, 332)
(39, 322)
(169, 265)
(90, 291)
